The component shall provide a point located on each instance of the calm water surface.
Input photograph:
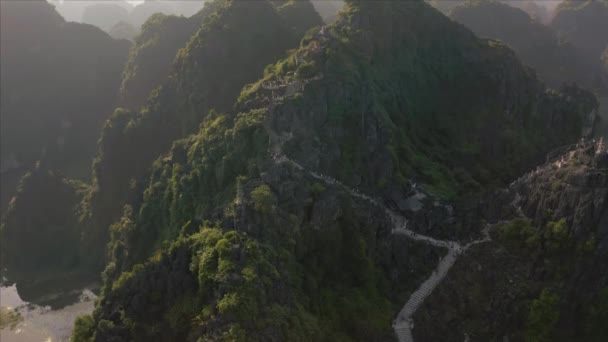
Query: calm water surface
(32, 323)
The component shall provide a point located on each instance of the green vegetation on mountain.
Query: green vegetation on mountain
(543, 277)
(230, 49)
(152, 55)
(225, 243)
(259, 179)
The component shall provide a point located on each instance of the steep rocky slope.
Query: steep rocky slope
(226, 51)
(59, 83)
(237, 39)
(544, 276)
(152, 55)
(272, 221)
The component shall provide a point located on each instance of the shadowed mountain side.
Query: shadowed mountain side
(59, 84)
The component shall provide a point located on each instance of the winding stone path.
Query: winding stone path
(404, 323)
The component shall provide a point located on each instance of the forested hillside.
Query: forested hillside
(232, 213)
(273, 170)
(208, 73)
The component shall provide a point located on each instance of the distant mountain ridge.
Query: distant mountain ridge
(59, 82)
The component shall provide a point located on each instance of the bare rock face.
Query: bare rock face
(574, 186)
(550, 247)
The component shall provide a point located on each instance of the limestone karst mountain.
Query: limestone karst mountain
(584, 24)
(543, 277)
(123, 30)
(71, 10)
(541, 11)
(59, 84)
(284, 193)
(537, 10)
(106, 15)
(538, 46)
(215, 63)
(145, 10)
(267, 177)
(561, 53)
(188, 8)
(109, 13)
(207, 74)
(151, 57)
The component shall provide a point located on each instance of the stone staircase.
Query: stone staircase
(403, 324)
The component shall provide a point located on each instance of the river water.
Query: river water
(33, 323)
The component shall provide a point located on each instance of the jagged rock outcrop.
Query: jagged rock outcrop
(59, 84)
(544, 276)
(574, 186)
(256, 225)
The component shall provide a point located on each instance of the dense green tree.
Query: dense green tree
(543, 317)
